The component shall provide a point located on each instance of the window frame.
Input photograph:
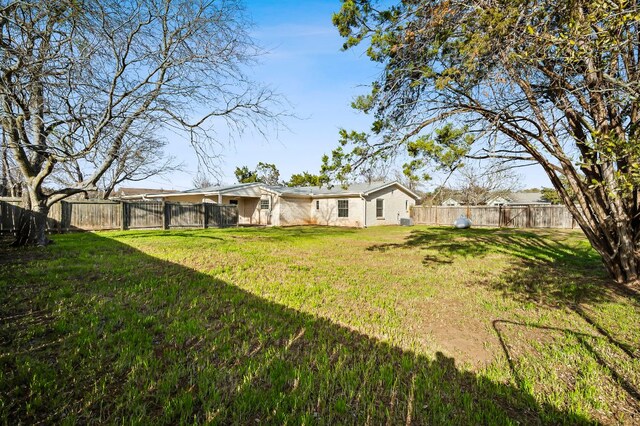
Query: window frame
(317, 204)
(380, 208)
(344, 208)
(265, 200)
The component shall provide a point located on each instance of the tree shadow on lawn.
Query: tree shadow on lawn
(149, 340)
(562, 273)
(548, 273)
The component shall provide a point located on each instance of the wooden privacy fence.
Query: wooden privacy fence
(95, 215)
(526, 216)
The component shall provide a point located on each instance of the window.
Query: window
(233, 202)
(380, 208)
(343, 208)
(406, 205)
(264, 204)
(317, 204)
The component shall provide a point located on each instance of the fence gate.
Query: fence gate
(525, 216)
(93, 215)
(514, 217)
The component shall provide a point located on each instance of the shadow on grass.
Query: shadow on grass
(549, 271)
(585, 339)
(148, 340)
(557, 273)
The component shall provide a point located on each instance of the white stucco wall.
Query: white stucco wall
(327, 214)
(294, 211)
(397, 204)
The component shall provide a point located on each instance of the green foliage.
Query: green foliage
(268, 173)
(306, 179)
(551, 195)
(473, 58)
(264, 172)
(537, 81)
(444, 150)
(244, 175)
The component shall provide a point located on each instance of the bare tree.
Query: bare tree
(137, 162)
(140, 157)
(78, 80)
(407, 181)
(476, 183)
(10, 183)
(376, 170)
(201, 180)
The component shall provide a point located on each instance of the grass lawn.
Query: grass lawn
(316, 325)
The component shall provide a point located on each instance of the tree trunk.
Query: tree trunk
(623, 265)
(614, 241)
(32, 224)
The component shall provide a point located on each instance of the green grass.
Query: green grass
(315, 325)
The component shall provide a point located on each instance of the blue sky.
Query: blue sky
(304, 62)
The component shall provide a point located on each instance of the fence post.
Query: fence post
(529, 216)
(165, 215)
(123, 215)
(205, 216)
(61, 219)
(499, 215)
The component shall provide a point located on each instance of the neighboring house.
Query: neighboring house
(519, 199)
(359, 205)
(498, 201)
(450, 202)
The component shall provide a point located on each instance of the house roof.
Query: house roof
(450, 201)
(303, 191)
(220, 188)
(233, 190)
(520, 198)
(355, 189)
(526, 197)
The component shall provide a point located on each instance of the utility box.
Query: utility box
(406, 221)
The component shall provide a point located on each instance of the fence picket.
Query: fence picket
(94, 215)
(526, 216)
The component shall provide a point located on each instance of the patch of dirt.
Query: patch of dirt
(456, 332)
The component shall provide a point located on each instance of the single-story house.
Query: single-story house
(450, 202)
(358, 205)
(518, 199)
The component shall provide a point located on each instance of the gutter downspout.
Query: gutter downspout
(364, 208)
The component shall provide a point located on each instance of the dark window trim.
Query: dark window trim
(341, 210)
(379, 216)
